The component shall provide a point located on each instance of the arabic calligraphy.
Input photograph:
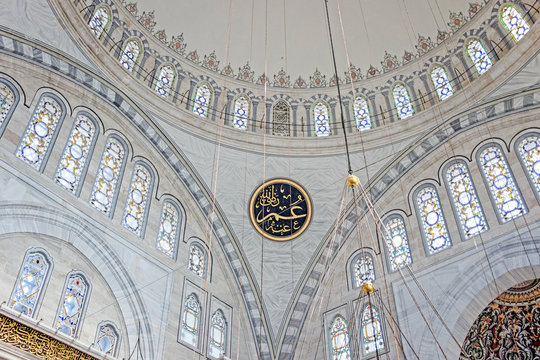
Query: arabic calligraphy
(280, 209)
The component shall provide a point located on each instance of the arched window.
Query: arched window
(137, 199)
(107, 338)
(361, 113)
(432, 222)
(73, 304)
(362, 270)
(130, 54)
(190, 327)
(339, 339)
(41, 131)
(165, 80)
(529, 152)
(110, 169)
(100, 20)
(465, 201)
(372, 331)
(402, 100)
(281, 118)
(478, 55)
(73, 163)
(218, 335)
(202, 99)
(503, 189)
(242, 110)
(397, 243)
(441, 82)
(33, 276)
(513, 21)
(321, 118)
(7, 100)
(169, 229)
(197, 259)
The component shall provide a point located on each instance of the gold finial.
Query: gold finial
(352, 180)
(368, 287)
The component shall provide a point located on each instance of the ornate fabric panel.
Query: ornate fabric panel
(513, 21)
(397, 243)
(107, 339)
(372, 332)
(135, 212)
(218, 332)
(202, 100)
(281, 118)
(321, 119)
(7, 99)
(130, 54)
(361, 113)
(72, 305)
(29, 283)
(190, 320)
(196, 261)
(339, 340)
(40, 131)
(364, 271)
(442, 84)
(432, 220)
(168, 230)
(478, 55)
(402, 100)
(165, 80)
(74, 158)
(241, 112)
(529, 151)
(99, 20)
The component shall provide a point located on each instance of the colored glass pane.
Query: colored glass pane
(529, 150)
(29, 284)
(321, 119)
(442, 84)
(190, 320)
(339, 339)
(99, 20)
(165, 80)
(361, 113)
(513, 21)
(196, 261)
(217, 335)
(135, 212)
(432, 220)
(397, 243)
(72, 305)
(107, 339)
(7, 99)
(363, 271)
(201, 102)
(479, 56)
(130, 54)
(281, 118)
(372, 332)
(168, 230)
(403, 101)
(241, 112)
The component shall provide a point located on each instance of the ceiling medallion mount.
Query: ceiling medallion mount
(280, 209)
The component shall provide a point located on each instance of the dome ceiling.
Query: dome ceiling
(382, 34)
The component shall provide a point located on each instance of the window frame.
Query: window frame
(16, 99)
(84, 307)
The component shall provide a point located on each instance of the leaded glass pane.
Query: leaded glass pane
(281, 118)
(107, 339)
(403, 102)
(203, 95)
(168, 230)
(241, 112)
(339, 339)
(218, 333)
(137, 200)
(29, 284)
(501, 184)
(397, 243)
(165, 80)
(130, 54)
(478, 55)
(40, 131)
(72, 305)
(432, 220)
(372, 332)
(190, 320)
(321, 119)
(196, 262)
(109, 171)
(529, 150)
(442, 84)
(7, 99)
(363, 271)
(99, 20)
(73, 161)
(513, 21)
(470, 214)
(361, 113)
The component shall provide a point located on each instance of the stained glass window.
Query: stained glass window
(75, 156)
(321, 119)
(513, 21)
(40, 131)
(189, 331)
(402, 100)
(202, 100)
(281, 118)
(29, 284)
(110, 169)
(432, 220)
(165, 80)
(361, 113)
(503, 189)
(478, 55)
(339, 339)
(197, 260)
(363, 270)
(7, 99)
(72, 305)
(372, 332)
(130, 54)
(168, 229)
(529, 151)
(100, 20)
(218, 334)
(397, 243)
(442, 84)
(136, 204)
(242, 109)
(107, 339)
(466, 204)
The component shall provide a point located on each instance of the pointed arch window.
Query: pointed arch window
(202, 99)
(107, 339)
(197, 260)
(321, 118)
(397, 243)
(130, 54)
(7, 100)
(402, 100)
(40, 132)
(465, 200)
(110, 169)
(432, 222)
(137, 200)
(281, 118)
(218, 335)
(372, 331)
(441, 82)
(242, 110)
(165, 80)
(529, 153)
(503, 189)
(513, 21)
(100, 20)
(363, 270)
(73, 304)
(339, 339)
(478, 55)
(169, 229)
(32, 277)
(361, 113)
(73, 163)
(190, 327)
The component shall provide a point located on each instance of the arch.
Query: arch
(9, 98)
(527, 147)
(476, 52)
(166, 79)
(512, 20)
(202, 99)
(281, 118)
(217, 337)
(441, 82)
(73, 303)
(371, 331)
(131, 53)
(362, 114)
(138, 199)
(340, 348)
(397, 243)
(107, 338)
(198, 259)
(190, 327)
(320, 112)
(100, 20)
(402, 100)
(362, 269)
(170, 226)
(241, 112)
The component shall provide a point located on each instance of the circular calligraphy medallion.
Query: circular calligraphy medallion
(280, 209)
